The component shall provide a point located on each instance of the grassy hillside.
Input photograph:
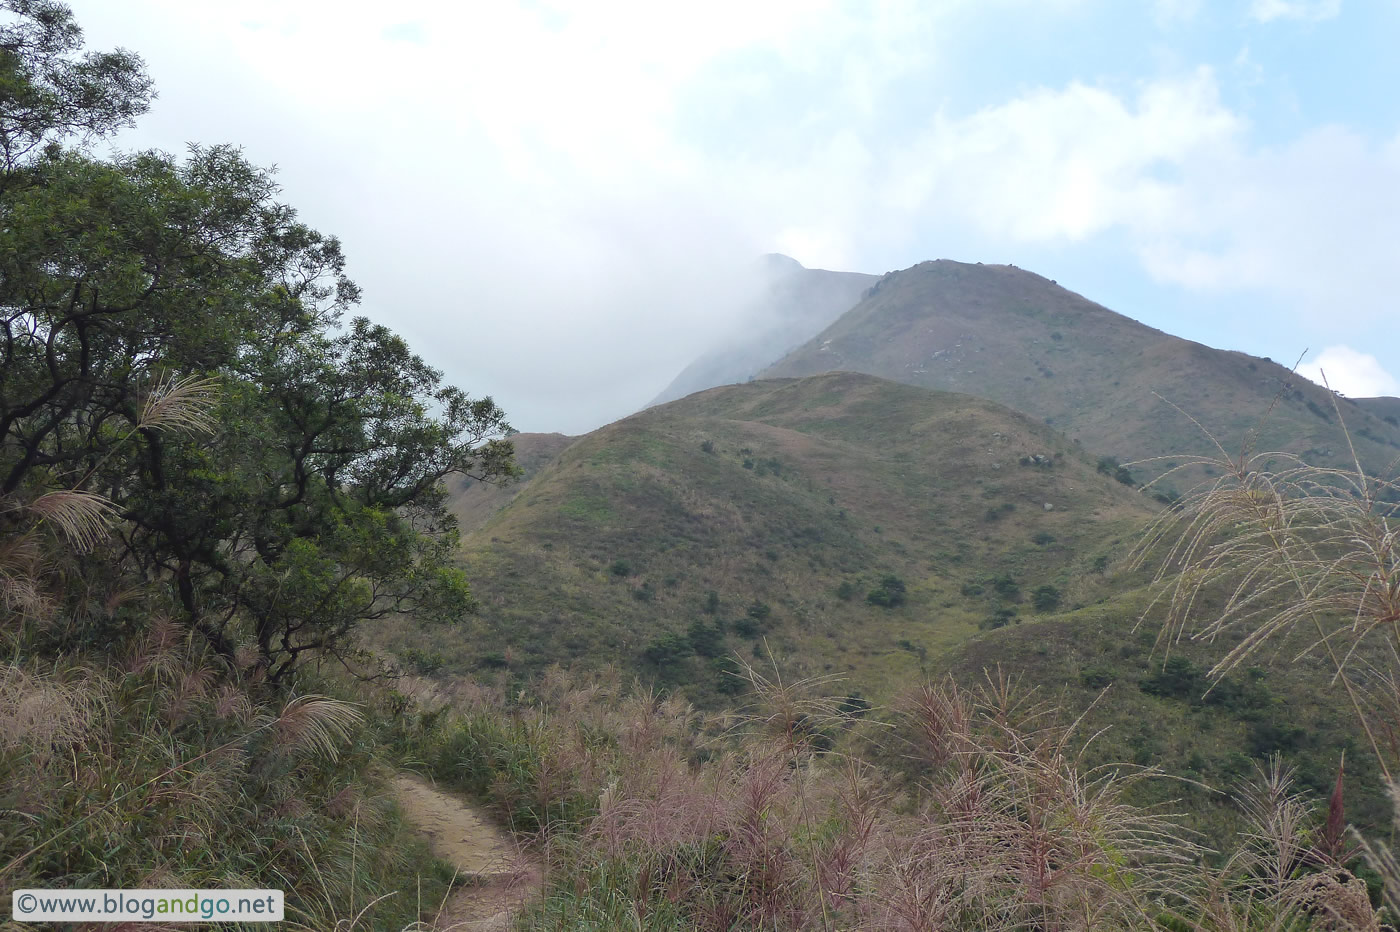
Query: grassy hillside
(1012, 336)
(1153, 705)
(790, 510)
(474, 503)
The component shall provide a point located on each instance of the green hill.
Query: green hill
(1009, 335)
(788, 510)
(1152, 705)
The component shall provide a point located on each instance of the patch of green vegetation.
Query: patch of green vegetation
(890, 593)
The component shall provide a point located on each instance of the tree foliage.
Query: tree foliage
(175, 348)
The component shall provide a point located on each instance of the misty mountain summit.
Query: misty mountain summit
(1017, 338)
(790, 304)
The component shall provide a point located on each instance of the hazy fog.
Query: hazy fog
(550, 200)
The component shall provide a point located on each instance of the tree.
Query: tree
(288, 486)
(48, 96)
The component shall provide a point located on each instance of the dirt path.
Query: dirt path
(497, 879)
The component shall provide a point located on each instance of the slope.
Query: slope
(793, 304)
(474, 503)
(1019, 339)
(1152, 704)
(788, 510)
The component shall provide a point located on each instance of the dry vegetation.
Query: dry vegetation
(652, 816)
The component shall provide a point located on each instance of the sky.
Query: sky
(554, 202)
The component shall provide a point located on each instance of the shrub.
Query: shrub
(1109, 466)
(726, 676)
(846, 591)
(1043, 539)
(759, 611)
(667, 650)
(747, 628)
(423, 661)
(1045, 598)
(706, 640)
(998, 619)
(1179, 678)
(1097, 678)
(621, 568)
(889, 594)
(1007, 587)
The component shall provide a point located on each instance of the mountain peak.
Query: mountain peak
(777, 263)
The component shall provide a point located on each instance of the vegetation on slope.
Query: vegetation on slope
(860, 525)
(1016, 338)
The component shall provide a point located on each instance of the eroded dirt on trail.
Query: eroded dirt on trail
(496, 878)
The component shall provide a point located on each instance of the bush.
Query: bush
(423, 661)
(1110, 466)
(1007, 587)
(747, 628)
(998, 619)
(759, 611)
(846, 591)
(667, 650)
(706, 640)
(1043, 539)
(1179, 678)
(727, 677)
(889, 594)
(621, 568)
(1097, 678)
(1045, 598)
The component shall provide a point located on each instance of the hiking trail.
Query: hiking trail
(496, 878)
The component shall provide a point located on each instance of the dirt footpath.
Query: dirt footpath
(495, 878)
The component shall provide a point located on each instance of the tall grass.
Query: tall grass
(151, 768)
(649, 816)
(1274, 546)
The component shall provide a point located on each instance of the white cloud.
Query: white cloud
(1351, 372)
(569, 176)
(1266, 11)
(1071, 163)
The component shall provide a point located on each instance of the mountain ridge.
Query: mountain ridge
(1121, 387)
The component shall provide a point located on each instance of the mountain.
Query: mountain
(1014, 337)
(793, 304)
(788, 510)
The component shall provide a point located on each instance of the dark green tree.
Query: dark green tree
(175, 357)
